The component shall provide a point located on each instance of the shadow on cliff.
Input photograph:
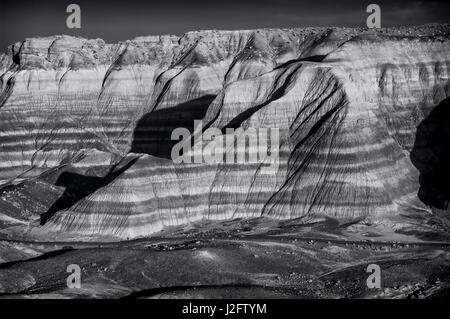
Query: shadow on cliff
(153, 131)
(431, 156)
(152, 135)
(78, 186)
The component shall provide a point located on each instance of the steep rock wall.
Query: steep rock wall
(347, 105)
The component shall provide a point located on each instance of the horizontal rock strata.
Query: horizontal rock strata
(346, 103)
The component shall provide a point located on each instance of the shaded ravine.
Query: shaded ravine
(78, 186)
(431, 156)
(152, 134)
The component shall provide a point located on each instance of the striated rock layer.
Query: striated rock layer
(346, 103)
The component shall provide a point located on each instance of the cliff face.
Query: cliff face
(347, 104)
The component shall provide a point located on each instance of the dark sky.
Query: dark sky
(120, 20)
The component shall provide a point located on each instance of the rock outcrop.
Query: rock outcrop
(346, 104)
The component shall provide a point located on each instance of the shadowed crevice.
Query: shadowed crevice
(431, 156)
(153, 131)
(245, 115)
(313, 58)
(78, 186)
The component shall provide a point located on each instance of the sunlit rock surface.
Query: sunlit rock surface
(85, 127)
